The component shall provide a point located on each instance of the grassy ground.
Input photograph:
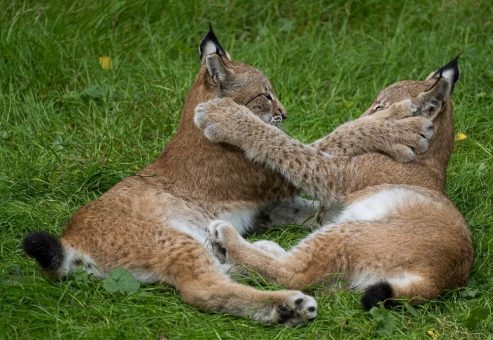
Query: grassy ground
(69, 130)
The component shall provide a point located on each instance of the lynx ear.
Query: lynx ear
(434, 98)
(451, 72)
(210, 45)
(212, 55)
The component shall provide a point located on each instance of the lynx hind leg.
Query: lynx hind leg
(218, 293)
(173, 257)
(297, 308)
(188, 265)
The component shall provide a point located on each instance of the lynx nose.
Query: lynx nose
(283, 114)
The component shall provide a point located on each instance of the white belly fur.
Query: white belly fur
(373, 207)
(379, 204)
(241, 219)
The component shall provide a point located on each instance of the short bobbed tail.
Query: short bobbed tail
(46, 249)
(378, 292)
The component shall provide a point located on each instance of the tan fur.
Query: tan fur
(392, 222)
(155, 223)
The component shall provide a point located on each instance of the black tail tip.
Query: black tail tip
(379, 292)
(46, 249)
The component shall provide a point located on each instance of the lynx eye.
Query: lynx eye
(268, 97)
(378, 108)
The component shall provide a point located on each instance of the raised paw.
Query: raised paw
(421, 132)
(214, 118)
(221, 233)
(298, 309)
(413, 139)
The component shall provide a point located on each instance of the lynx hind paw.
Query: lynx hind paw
(297, 309)
(221, 233)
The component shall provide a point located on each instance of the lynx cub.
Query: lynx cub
(390, 229)
(155, 223)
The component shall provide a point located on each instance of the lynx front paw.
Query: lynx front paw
(414, 137)
(204, 120)
(298, 309)
(214, 117)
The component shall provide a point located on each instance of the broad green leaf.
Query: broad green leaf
(476, 316)
(120, 280)
(385, 322)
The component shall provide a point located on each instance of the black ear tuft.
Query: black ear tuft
(451, 72)
(379, 292)
(210, 45)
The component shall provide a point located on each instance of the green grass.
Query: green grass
(70, 130)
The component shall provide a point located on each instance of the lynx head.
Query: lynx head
(428, 98)
(244, 84)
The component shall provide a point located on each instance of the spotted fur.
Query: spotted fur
(155, 223)
(394, 233)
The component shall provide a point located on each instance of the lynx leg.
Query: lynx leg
(218, 293)
(270, 247)
(169, 256)
(201, 283)
(362, 253)
(290, 269)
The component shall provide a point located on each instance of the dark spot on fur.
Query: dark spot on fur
(311, 309)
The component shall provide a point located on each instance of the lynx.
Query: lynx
(389, 228)
(154, 224)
